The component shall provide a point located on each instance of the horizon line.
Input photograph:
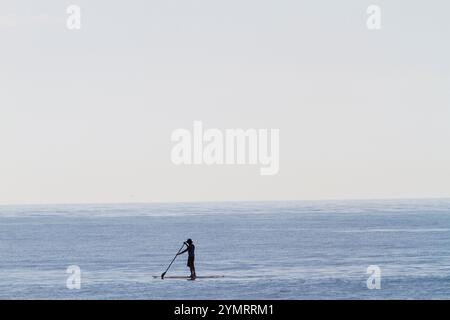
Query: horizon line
(220, 201)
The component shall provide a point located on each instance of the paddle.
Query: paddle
(164, 273)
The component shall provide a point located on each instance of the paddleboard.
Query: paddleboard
(189, 278)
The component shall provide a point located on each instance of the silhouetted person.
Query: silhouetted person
(191, 256)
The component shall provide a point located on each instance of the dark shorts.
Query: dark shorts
(190, 262)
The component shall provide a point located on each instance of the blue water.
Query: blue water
(266, 250)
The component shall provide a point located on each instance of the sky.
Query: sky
(86, 115)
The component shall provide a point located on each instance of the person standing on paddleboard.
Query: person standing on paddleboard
(191, 256)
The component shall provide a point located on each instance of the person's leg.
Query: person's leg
(190, 266)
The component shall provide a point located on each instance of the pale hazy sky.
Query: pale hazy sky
(86, 116)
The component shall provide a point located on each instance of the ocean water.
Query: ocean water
(265, 250)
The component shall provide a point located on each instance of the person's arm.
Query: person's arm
(183, 251)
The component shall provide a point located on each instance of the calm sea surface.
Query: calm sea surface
(265, 250)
